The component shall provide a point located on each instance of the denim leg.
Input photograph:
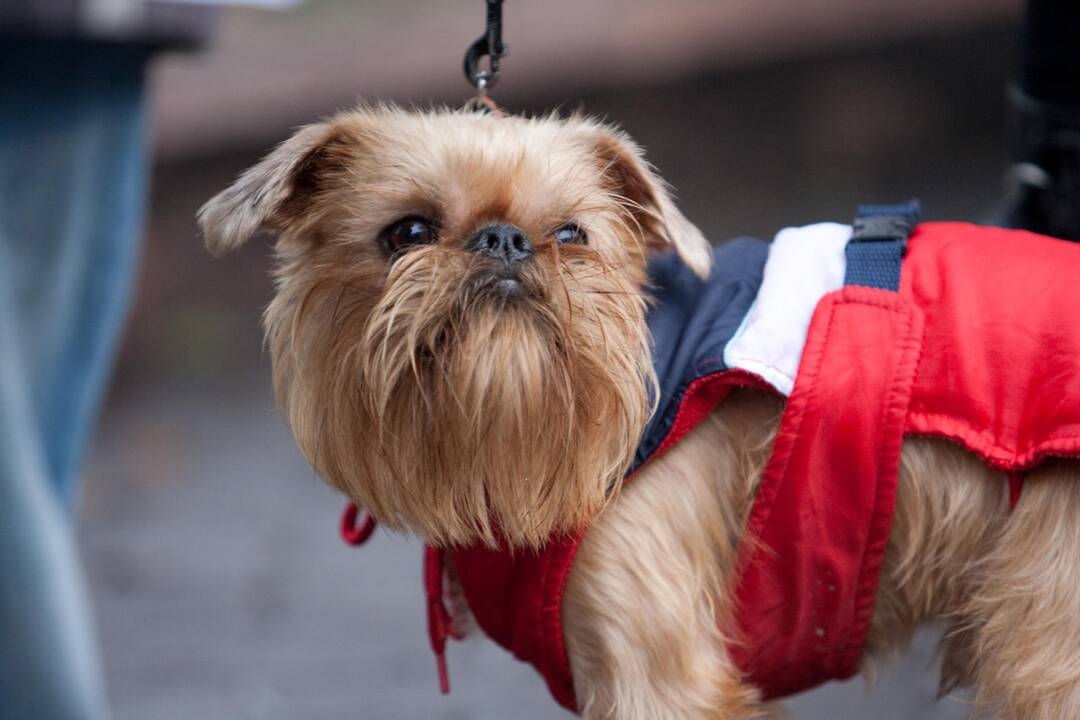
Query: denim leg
(72, 179)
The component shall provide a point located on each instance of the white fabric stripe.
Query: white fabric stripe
(804, 264)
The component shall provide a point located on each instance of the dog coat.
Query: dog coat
(941, 329)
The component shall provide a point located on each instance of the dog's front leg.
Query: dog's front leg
(643, 642)
(644, 602)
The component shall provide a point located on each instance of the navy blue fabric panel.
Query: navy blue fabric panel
(874, 264)
(692, 322)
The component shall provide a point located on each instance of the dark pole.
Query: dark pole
(1044, 194)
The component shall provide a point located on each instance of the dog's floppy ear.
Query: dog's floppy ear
(274, 193)
(647, 197)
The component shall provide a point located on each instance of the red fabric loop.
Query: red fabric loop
(353, 533)
(440, 624)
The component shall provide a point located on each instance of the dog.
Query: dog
(461, 341)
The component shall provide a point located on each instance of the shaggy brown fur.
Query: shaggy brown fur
(461, 412)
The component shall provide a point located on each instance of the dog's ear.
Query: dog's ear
(649, 200)
(278, 193)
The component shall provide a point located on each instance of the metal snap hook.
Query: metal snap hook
(489, 45)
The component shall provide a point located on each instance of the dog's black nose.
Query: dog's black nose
(503, 241)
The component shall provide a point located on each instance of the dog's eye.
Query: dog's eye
(408, 232)
(570, 233)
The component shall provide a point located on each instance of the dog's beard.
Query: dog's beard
(460, 409)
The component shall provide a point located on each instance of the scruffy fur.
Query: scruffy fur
(467, 414)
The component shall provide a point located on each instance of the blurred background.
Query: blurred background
(219, 583)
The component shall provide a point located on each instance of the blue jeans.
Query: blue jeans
(72, 185)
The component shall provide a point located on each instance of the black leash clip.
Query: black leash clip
(488, 45)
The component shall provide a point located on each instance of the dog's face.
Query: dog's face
(458, 334)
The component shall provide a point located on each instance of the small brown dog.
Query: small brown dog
(459, 339)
